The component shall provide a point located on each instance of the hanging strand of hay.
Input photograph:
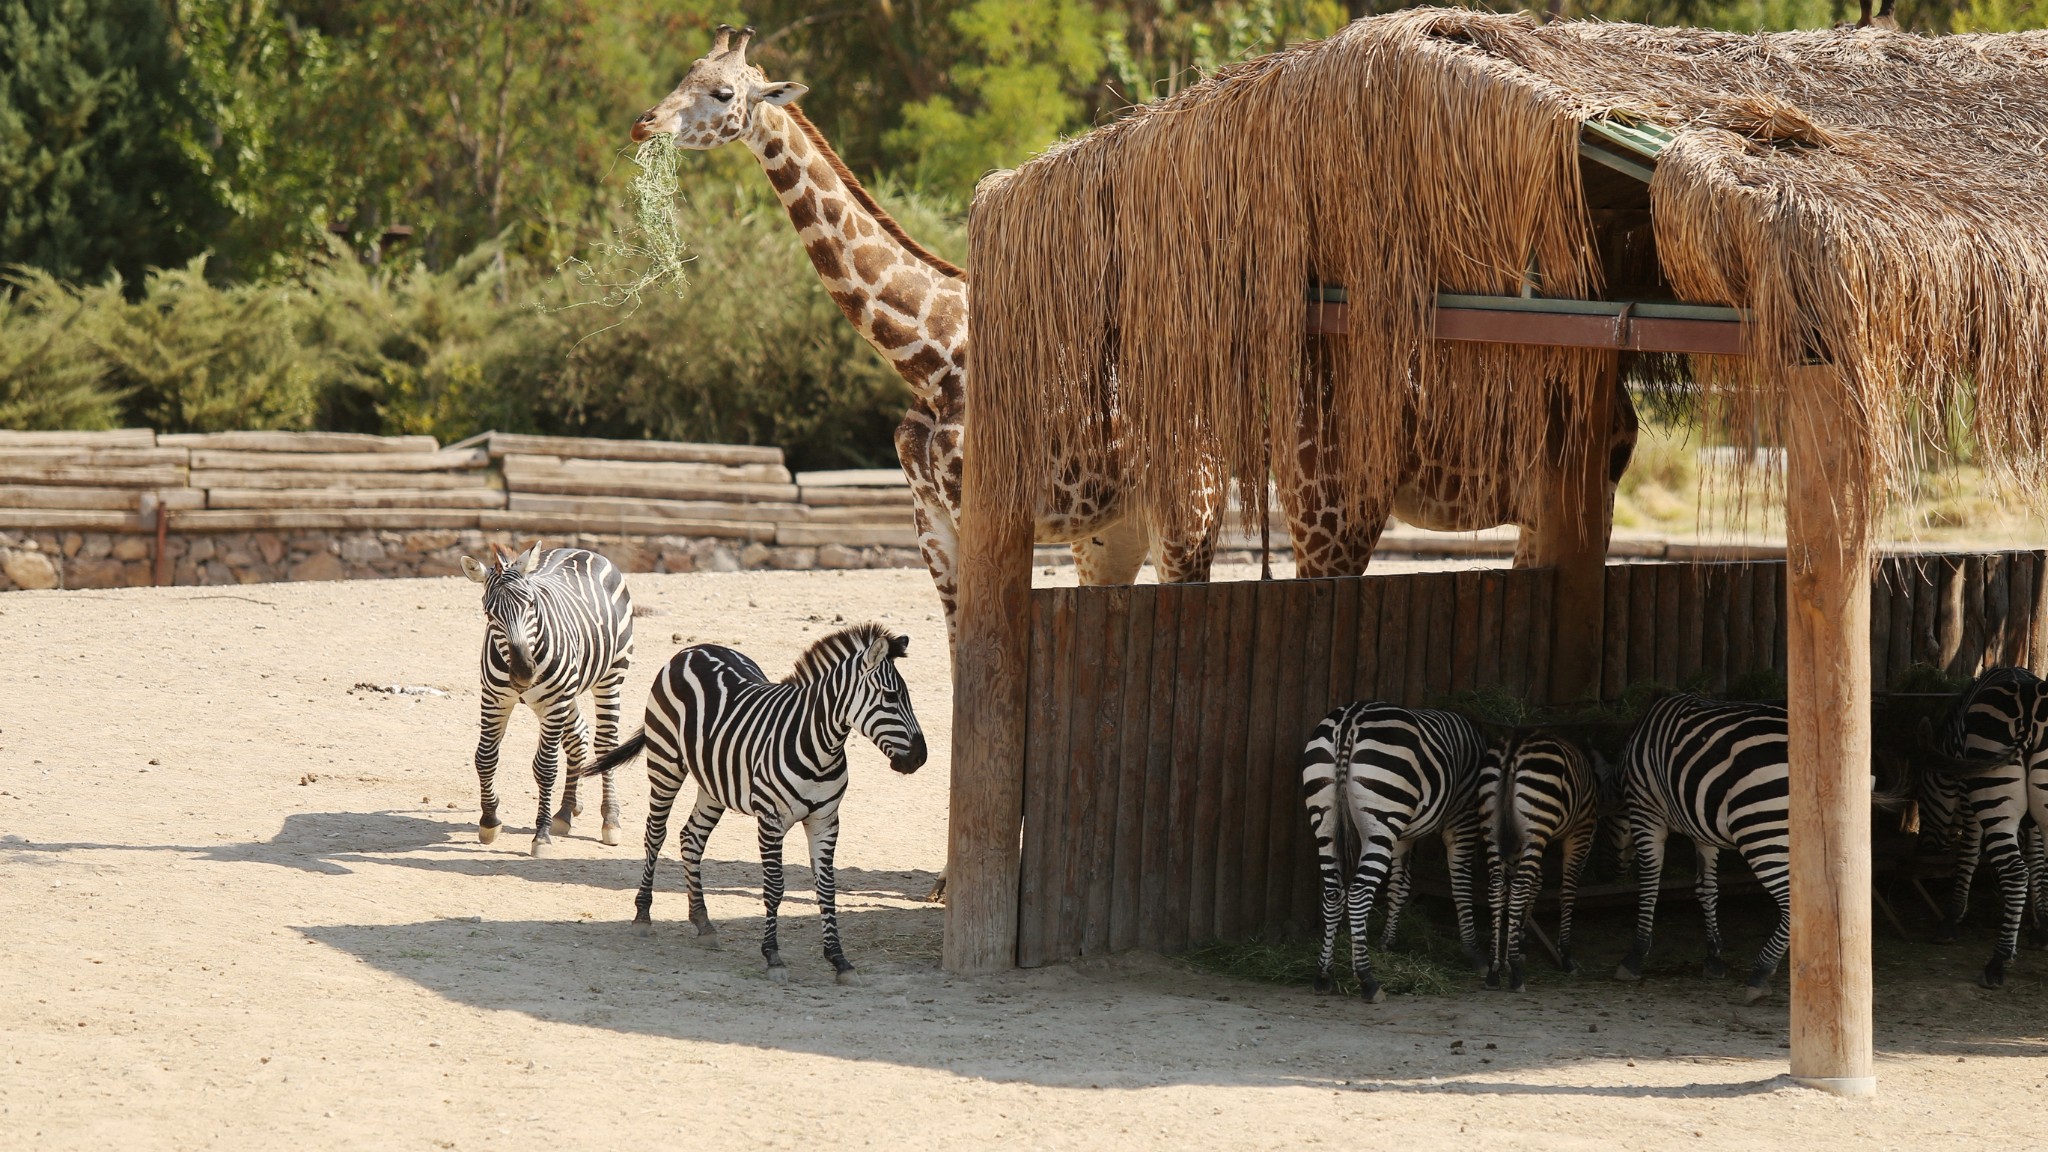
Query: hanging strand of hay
(652, 253)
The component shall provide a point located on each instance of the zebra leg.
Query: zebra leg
(1380, 861)
(821, 828)
(575, 754)
(1521, 905)
(1496, 903)
(1776, 877)
(1578, 848)
(661, 796)
(771, 895)
(2036, 845)
(607, 694)
(1649, 842)
(696, 834)
(2002, 851)
(1969, 849)
(1709, 889)
(1461, 847)
(1327, 825)
(1396, 889)
(547, 764)
(497, 714)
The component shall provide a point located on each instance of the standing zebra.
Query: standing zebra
(1536, 788)
(1377, 779)
(776, 752)
(1994, 742)
(1714, 772)
(558, 624)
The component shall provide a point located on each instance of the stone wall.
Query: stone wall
(31, 560)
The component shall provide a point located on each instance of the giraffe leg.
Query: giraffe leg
(1113, 555)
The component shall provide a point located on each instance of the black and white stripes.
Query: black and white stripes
(773, 751)
(1714, 772)
(557, 624)
(1536, 788)
(1377, 779)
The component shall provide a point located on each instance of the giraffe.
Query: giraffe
(911, 306)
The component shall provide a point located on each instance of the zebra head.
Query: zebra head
(511, 624)
(879, 703)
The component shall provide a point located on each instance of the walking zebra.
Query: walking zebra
(1536, 788)
(1714, 772)
(776, 752)
(1994, 743)
(1377, 779)
(558, 624)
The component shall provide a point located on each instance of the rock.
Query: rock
(73, 541)
(755, 555)
(97, 572)
(238, 560)
(132, 548)
(362, 550)
(431, 541)
(439, 566)
(794, 559)
(270, 545)
(217, 574)
(138, 574)
(97, 544)
(319, 566)
(29, 569)
(200, 550)
(677, 560)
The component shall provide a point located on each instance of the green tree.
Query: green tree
(92, 176)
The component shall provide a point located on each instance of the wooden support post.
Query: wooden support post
(991, 658)
(1570, 535)
(1827, 675)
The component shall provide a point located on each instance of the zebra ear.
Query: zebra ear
(899, 646)
(878, 651)
(530, 559)
(475, 571)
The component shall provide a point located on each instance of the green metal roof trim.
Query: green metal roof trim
(1621, 146)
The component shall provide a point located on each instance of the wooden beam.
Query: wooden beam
(1630, 326)
(1570, 534)
(1827, 679)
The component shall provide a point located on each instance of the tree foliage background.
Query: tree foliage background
(367, 214)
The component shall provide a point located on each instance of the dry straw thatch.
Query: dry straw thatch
(1878, 198)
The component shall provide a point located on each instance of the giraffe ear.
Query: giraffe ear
(779, 93)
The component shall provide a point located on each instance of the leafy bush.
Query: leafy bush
(51, 377)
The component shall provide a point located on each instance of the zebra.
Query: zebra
(557, 624)
(1536, 788)
(1714, 772)
(1994, 742)
(1376, 779)
(773, 751)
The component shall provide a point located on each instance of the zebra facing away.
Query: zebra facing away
(1994, 744)
(773, 751)
(1377, 779)
(557, 624)
(1714, 772)
(1536, 788)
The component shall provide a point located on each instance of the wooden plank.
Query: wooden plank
(1240, 653)
(1976, 577)
(1391, 685)
(1317, 700)
(1415, 684)
(1085, 733)
(1614, 638)
(1642, 624)
(623, 478)
(1465, 626)
(95, 457)
(1997, 608)
(416, 481)
(577, 447)
(1283, 770)
(291, 520)
(1191, 672)
(446, 461)
(1159, 769)
(1443, 638)
(1639, 334)
(1714, 627)
(1204, 836)
(2019, 628)
(893, 498)
(1271, 641)
(1103, 757)
(82, 519)
(162, 476)
(1670, 617)
(1343, 668)
(1926, 585)
(1041, 720)
(1691, 624)
(1517, 620)
(1948, 623)
(851, 535)
(1061, 799)
(1880, 630)
(20, 497)
(534, 523)
(1127, 867)
(1898, 572)
(1486, 672)
(2037, 637)
(1768, 645)
(1542, 597)
(349, 442)
(312, 498)
(113, 438)
(855, 478)
(771, 512)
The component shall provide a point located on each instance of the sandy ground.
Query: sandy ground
(206, 952)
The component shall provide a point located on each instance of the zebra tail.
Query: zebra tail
(1347, 738)
(617, 756)
(1947, 765)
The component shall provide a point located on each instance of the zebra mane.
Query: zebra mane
(832, 650)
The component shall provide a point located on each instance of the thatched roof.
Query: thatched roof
(1880, 198)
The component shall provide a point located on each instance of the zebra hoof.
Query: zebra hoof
(778, 974)
(643, 928)
(485, 833)
(542, 849)
(577, 810)
(1493, 978)
(610, 835)
(1570, 967)
(1991, 977)
(1626, 975)
(1324, 985)
(1374, 994)
(1751, 993)
(559, 826)
(849, 978)
(1948, 933)
(1714, 969)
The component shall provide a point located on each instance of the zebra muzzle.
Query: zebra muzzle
(911, 759)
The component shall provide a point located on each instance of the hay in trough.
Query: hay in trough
(1877, 201)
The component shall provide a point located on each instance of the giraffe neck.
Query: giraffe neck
(908, 303)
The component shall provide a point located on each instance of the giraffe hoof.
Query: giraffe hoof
(542, 849)
(849, 978)
(559, 826)
(610, 835)
(485, 833)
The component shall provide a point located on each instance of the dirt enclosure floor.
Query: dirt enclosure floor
(247, 908)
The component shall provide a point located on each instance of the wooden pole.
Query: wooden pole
(1827, 678)
(1573, 521)
(991, 659)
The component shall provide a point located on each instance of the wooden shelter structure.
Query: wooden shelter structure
(1434, 245)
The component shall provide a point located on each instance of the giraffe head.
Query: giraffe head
(715, 102)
